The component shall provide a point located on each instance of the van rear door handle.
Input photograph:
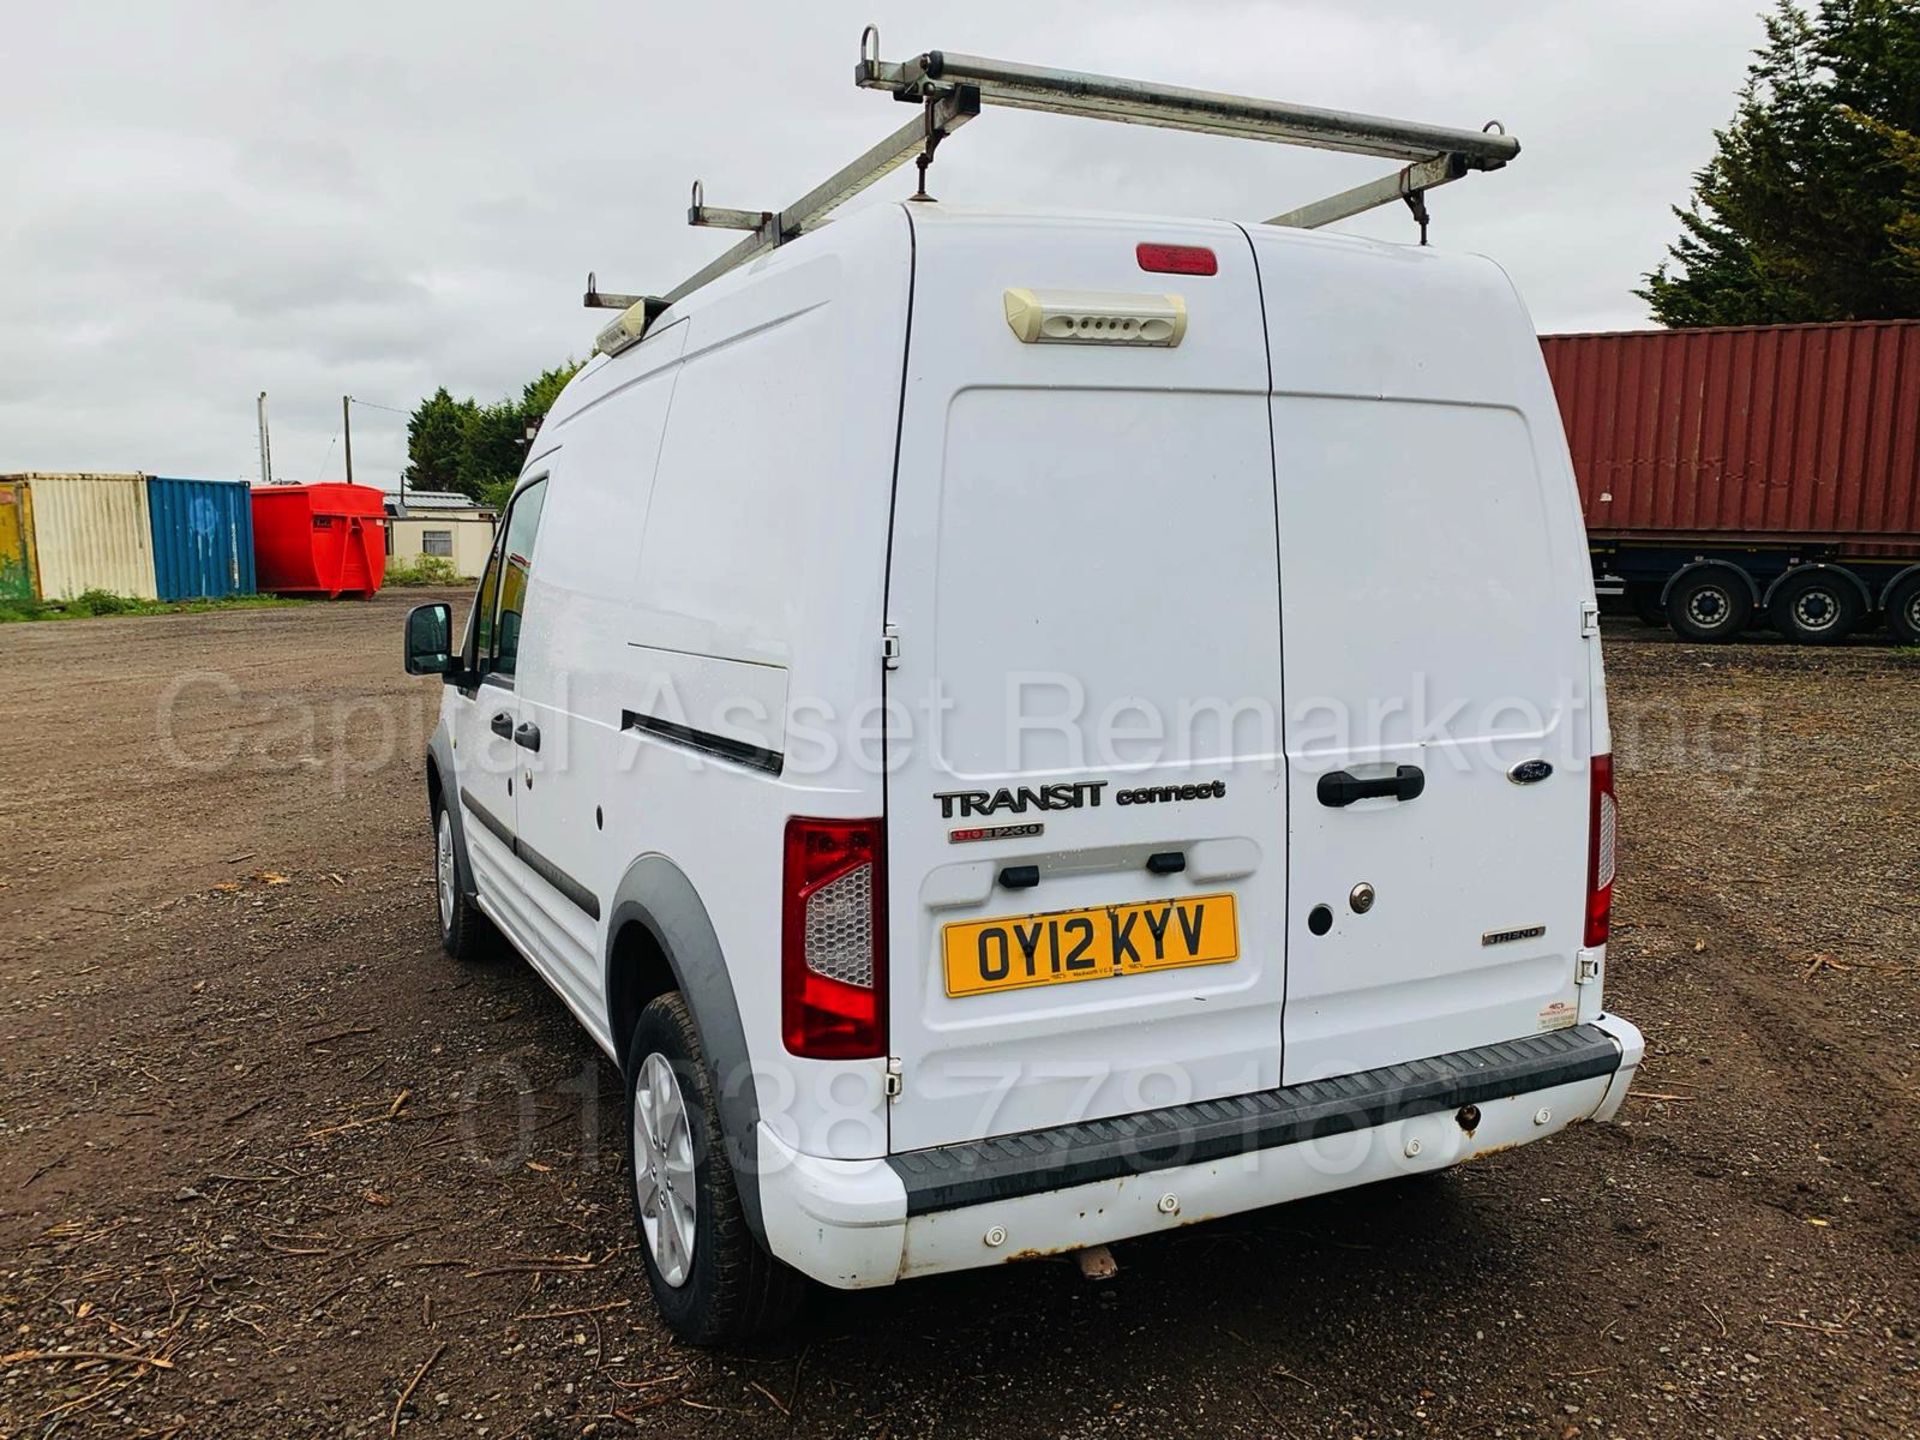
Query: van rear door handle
(502, 725)
(527, 737)
(1337, 788)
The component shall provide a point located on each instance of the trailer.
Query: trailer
(1739, 476)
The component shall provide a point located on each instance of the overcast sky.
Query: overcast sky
(200, 201)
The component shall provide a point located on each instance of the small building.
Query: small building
(440, 523)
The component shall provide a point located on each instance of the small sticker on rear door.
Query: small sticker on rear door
(1559, 1015)
(993, 832)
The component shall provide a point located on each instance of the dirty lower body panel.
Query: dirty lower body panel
(1003, 1168)
(853, 1224)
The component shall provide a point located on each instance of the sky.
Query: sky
(201, 201)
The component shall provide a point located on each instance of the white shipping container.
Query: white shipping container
(92, 532)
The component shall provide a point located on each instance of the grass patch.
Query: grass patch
(90, 604)
(425, 570)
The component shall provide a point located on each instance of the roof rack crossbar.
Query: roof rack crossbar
(1400, 185)
(1107, 97)
(950, 89)
(946, 114)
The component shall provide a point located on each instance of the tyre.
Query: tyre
(1644, 601)
(1712, 604)
(465, 933)
(711, 1280)
(1816, 607)
(1903, 611)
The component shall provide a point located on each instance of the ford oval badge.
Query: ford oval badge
(1529, 772)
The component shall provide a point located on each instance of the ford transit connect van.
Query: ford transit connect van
(1021, 731)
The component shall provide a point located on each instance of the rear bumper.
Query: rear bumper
(853, 1224)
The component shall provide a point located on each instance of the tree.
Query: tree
(537, 395)
(1804, 209)
(475, 449)
(492, 447)
(1903, 150)
(434, 437)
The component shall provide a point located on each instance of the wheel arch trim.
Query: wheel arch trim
(656, 895)
(1900, 578)
(1704, 563)
(1859, 585)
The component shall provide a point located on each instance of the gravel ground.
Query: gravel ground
(277, 1163)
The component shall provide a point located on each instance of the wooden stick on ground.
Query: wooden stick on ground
(111, 1357)
(393, 1425)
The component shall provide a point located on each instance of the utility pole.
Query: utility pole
(346, 430)
(266, 446)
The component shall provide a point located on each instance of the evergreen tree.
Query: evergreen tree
(538, 395)
(491, 448)
(434, 436)
(475, 449)
(1804, 209)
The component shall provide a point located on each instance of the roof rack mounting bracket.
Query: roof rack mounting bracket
(701, 213)
(598, 299)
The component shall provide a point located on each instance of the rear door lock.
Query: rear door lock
(1361, 898)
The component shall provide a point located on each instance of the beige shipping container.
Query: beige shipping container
(91, 532)
(463, 537)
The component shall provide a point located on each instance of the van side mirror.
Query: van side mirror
(430, 639)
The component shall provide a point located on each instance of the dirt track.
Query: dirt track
(253, 1125)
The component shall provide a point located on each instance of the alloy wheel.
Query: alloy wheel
(663, 1170)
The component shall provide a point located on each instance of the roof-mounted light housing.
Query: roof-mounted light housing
(631, 328)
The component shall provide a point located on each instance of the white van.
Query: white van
(1018, 731)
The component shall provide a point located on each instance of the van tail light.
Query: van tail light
(833, 940)
(1603, 846)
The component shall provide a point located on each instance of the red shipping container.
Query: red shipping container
(1761, 433)
(326, 539)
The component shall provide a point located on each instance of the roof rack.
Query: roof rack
(950, 89)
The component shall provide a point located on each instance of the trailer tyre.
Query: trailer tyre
(1903, 611)
(1816, 607)
(1712, 604)
(1644, 600)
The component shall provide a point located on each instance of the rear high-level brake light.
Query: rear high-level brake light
(1177, 259)
(833, 940)
(1603, 842)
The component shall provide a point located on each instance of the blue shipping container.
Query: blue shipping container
(202, 537)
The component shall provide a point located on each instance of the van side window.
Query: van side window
(512, 561)
(483, 606)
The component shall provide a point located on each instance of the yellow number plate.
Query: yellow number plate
(1018, 951)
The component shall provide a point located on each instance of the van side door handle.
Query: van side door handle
(527, 737)
(502, 725)
(1338, 789)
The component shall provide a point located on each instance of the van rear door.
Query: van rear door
(1437, 679)
(1086, 825)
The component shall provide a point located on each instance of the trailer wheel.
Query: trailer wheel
(1816, 607)
(1644, 600)
(1711, 604)
(1903, 611)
